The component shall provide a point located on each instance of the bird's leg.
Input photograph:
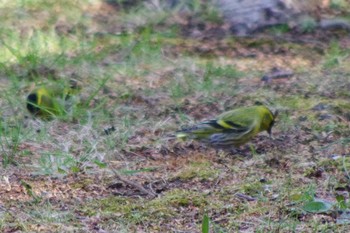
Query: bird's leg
(252, 149)
(234, 151)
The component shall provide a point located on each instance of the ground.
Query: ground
(112, 163)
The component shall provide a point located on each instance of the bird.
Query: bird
(48, 101)
(232, 128)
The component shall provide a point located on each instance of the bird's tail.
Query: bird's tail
(181, 135)
(201, 131)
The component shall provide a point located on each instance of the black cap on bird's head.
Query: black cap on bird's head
(32, 101)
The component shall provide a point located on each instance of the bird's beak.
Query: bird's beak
(269, 130)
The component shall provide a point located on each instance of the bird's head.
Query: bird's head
(32, 103)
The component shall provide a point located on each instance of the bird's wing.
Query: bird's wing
(228, 126)
(236, 136)
(205, 129)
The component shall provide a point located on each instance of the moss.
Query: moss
(178, 198)
(203, 171)
(253, 189)
(107, 206)
(82, 183)
(297, 102)
(129, 210)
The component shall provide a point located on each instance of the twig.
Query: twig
(287, 39)
(278, 74)
(245, 197)
(126, 53)
(337, 23)
(134, 184)
(151, 184)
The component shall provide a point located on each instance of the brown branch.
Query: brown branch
(277, 74)
(337, 23)
(133, 184)
(245, 197)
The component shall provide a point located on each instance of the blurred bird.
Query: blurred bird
(232, 128)
(49, 101)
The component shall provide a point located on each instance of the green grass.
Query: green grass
(335, 56)
(10, 138)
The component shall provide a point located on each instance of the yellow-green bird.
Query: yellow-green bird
(48, 101)
(232, 128)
